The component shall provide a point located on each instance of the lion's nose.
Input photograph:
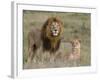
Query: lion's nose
(55, 30)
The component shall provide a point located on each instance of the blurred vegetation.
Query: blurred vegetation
(75, 24)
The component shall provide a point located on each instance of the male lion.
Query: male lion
(49, 37)
(51, 34)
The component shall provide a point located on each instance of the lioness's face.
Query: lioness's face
(76, 43)
(55, 28)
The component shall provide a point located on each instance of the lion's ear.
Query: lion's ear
(58, 18)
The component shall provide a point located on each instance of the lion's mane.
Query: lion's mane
(51, 43)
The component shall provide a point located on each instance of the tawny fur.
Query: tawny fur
(34, 43)
(75, 55)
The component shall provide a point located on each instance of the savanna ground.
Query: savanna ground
(75, 24)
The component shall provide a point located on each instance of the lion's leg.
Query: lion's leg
(30, 48)
(52, 57)
(31, 53)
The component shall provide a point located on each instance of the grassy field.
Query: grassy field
(75, 24)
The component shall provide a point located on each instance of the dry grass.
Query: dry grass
(75, 24)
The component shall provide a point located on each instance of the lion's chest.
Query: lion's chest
(51, 45)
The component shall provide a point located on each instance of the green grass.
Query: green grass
(75, 24)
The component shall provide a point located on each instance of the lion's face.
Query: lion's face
(76, 43)
(54, 27)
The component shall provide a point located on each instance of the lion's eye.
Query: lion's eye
(52, 27)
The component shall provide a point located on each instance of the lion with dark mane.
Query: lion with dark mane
(49, 37)
(51, 34)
